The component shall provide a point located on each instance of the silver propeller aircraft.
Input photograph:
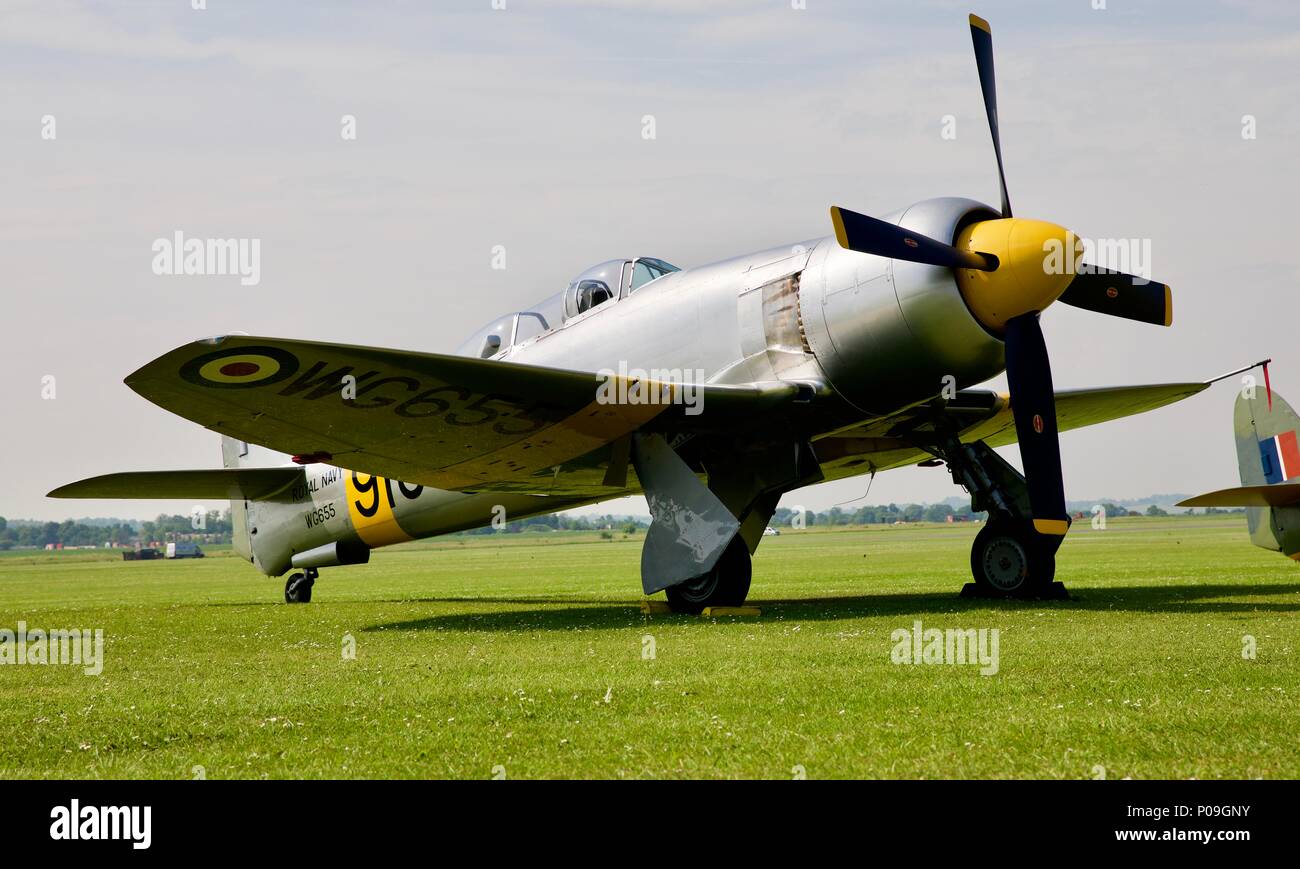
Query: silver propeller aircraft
(712, 390)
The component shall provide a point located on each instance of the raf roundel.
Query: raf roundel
(240, 367)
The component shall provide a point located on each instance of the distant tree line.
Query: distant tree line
(19, 534)
(886, 514)
(1113, 510)
(216, 526)
(558, 522)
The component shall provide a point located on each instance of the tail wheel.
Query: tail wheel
(297, 588)
(1010, 560)
(727, 584)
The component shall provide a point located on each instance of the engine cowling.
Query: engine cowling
(887, 332)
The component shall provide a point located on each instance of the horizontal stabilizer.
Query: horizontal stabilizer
(247, 484)
(1276, 495)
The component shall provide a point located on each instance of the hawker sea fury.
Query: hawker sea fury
(815, 361)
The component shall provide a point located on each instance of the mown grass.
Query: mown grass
(525, 655)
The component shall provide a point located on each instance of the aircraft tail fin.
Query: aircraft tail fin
(1267, 433)
(233, 453)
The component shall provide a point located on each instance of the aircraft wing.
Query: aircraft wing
(250, 484)
(450, 422)
(1077, 408)
(983, 415)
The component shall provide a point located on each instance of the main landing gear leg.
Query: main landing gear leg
(297, 588)
(749, 480)
(1009, 558)
(698, 548)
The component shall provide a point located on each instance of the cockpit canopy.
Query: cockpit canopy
(599, 285)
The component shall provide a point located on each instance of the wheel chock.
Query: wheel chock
(1055, 591)
(659, 607)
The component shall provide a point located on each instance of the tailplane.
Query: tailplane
(234, 483)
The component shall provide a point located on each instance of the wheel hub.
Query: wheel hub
(1006, 564)
(700, 588)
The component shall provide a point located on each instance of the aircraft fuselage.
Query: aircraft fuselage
(881, 334)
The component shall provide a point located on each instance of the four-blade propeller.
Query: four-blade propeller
(1002, 268)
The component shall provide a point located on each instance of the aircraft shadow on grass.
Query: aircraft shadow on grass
(605, 614)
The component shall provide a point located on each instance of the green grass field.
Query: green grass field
(525, 655)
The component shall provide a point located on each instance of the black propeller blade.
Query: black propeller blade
(1121, 295)
(982, 36)
(868, 235)
(1033, 404)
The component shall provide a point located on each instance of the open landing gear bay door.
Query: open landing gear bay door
(449, 422)
(691, 526)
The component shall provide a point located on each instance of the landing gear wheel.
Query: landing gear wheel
(297, 589)
(1010, 560)
(727, 584)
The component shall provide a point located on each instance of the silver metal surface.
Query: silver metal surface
(887, 332)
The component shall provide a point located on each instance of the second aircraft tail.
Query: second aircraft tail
(1268, 459)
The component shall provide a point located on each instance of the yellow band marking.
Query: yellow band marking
(381, 529)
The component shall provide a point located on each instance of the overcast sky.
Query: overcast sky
(522, 127)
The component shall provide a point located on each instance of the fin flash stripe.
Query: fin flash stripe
(1280, 457)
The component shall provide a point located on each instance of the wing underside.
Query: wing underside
(449, 422)
(897, 440)
(466, 424)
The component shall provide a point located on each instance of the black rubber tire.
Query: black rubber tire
(1010, 559)
(727, 584)
(297, 588)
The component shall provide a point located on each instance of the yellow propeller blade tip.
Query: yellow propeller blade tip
(1169, 306)
(976, 21)
(840, 235)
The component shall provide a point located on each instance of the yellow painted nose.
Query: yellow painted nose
(1036, 262)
